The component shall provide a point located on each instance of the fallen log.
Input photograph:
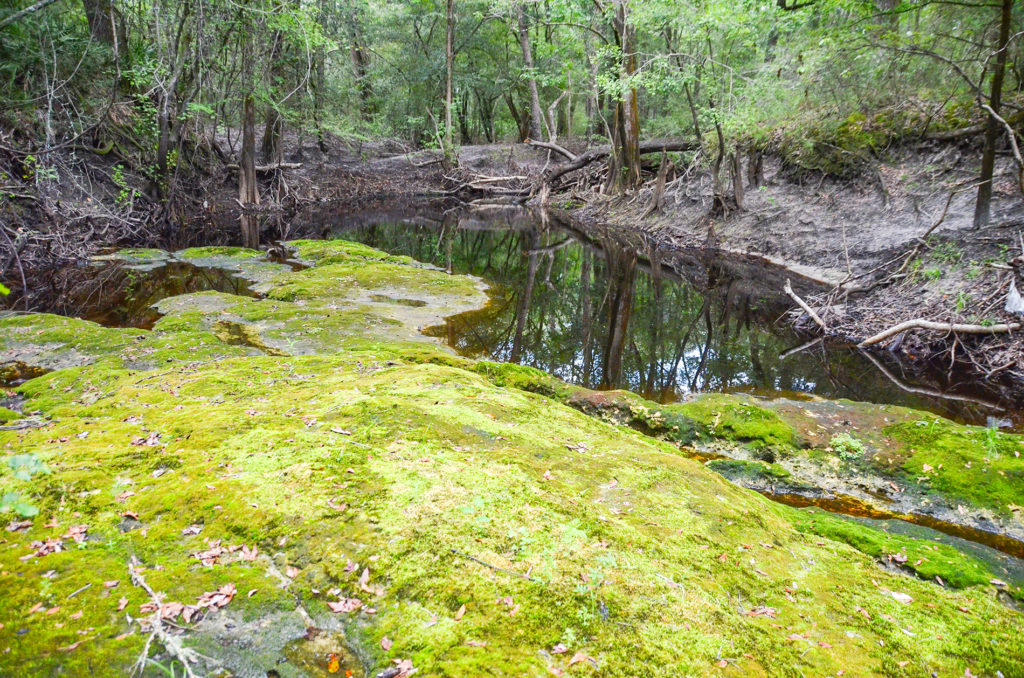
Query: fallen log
(919, 324)
(584, 159)
(269, 168)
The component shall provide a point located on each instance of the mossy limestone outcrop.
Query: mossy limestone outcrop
(484, 524)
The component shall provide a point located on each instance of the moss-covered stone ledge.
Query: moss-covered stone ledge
(358, 490)
(494, 525)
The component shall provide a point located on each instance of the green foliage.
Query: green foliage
(847, 447)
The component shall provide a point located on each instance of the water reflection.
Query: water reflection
(602, 312)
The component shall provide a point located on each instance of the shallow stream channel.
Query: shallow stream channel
(608, 311)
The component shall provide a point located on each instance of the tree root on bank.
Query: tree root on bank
(1002, 328)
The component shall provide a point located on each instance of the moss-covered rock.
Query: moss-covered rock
(482, 520)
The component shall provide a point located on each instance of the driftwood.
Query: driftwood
(1002, 328)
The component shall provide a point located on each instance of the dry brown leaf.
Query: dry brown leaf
(386, 643)
(461, 613)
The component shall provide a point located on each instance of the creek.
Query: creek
(603, 310)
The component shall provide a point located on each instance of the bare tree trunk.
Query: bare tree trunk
(536, 115)
(627, 111)
(737, 179)
(982, 208)
(521, 123)
(755, 169)
(449, 55)
(273, 129)
(360, 62)
(248, 195)
(105, 22)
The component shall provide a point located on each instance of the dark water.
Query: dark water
(117, 295)
(597, 311)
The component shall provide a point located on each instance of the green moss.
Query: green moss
(976, 465)
(741, 470)
(926, 559)
(733, 417)
(323, 252)
(453, 483)
(211, 252)
(7, 415)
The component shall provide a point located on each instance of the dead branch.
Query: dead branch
(28, 10)
(173, 645)
(1002, 328)
(552, 147)
(788, 289)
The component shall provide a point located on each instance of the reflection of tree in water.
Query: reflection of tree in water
(592, 313)
(596, 313)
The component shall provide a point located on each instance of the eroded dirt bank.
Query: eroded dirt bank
(305, 479)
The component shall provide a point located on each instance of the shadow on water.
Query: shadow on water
(596, 310)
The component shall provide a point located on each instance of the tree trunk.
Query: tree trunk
(755, 169)
(273, 129)
(627, 111)
(105, 23)
(982, 208)
(536, 115)
(737, 179)
(360, 62)
(248, 195)
(449, 55)
(522, 123)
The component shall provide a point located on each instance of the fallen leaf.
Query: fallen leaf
(345, 605)
(121, 604)
(192, 529)
(333, 663)
(461, 613)
(73, 646)
(291, 572)
(386, 643)
(35, 608)
(53, 610)
(559, 649)
(721, 663)
(76, 615)
(112, 584)
(579, 657)
(476, 643)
